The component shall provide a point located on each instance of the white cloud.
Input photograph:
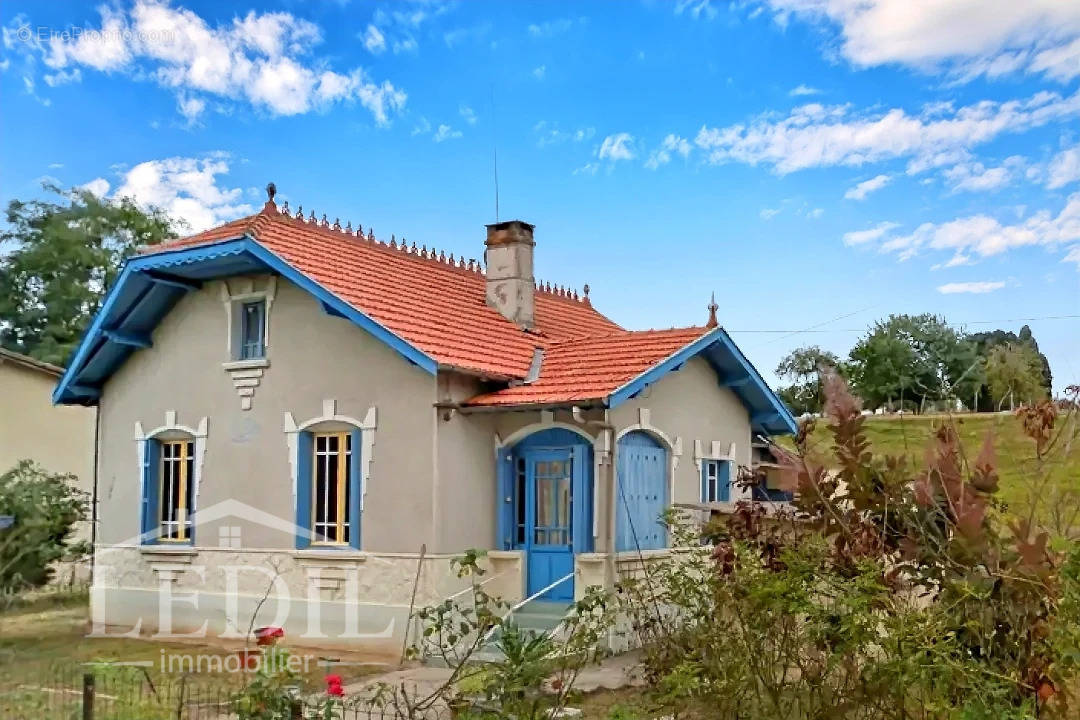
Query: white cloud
(985, 236)
(860, 191)
(965, 38)
(671, 144)
(976, 288)
(190, 107)
(587, 169)
(1073, 256)
(976, 177)
(815, 135)
(97, 186)
(815, 213)
(374, 40)
(803, 90)
(696, 9)
(549, 133)
(467, 114)
(262, 59)
(422, 127)
(768, 213)
(617, 147)
(539, 72)
(551, 28)
(185, 188)
(861, 237)
(1064, 168)
(445, 132)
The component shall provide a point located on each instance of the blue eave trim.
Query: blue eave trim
(632, 388)
(329, 300)
(70, 390)
(773, 418)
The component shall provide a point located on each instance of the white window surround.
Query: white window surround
(246, 374)
(715, 451)
(366, 426)
(198, 435)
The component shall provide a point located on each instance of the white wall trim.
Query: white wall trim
(367, 428)
(198, 434)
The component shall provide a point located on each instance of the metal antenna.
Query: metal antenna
(495, 148)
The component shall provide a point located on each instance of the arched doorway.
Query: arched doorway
(547, 507)
(641, 492)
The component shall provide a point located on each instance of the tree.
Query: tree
(987, 341)
(803, 367)
(45, 508)
(1014, 374)
(914, 360)
(65, 256)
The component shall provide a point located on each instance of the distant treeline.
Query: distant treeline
(920, 363)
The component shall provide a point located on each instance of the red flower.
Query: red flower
(268, 635)
(333, 686)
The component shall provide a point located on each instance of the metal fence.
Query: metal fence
(130, 693)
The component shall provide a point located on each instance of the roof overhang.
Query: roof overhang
(150, 285)
(768, 414)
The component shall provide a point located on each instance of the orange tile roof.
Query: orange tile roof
(592, 368)
(435, 305)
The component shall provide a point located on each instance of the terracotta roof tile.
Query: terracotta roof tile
(592, 368)
(438, 307)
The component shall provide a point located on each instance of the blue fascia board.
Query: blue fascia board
(95, 334)
(787, 424)
(632, 388)
(775, 416)
(409, 351)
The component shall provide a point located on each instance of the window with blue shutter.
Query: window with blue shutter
(150, 493)
(329, 489)
(715, 480)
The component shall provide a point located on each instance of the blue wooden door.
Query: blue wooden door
(549, 522)
(642, 493)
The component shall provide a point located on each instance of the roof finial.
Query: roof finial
(713, 307)
(585, 296)
(271, 191)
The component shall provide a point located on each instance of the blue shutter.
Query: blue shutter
(151, 482)
(504, 500)
(582, 500)
(724, 480)
(305, 453)
(355, 489)
(704, 481)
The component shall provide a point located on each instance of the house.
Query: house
(352, 412)
(59, 439)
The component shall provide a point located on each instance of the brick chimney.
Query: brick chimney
(508, 255)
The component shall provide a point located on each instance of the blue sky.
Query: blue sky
(815, 163)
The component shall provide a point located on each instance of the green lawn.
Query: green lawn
(909, 435)
(44, 651)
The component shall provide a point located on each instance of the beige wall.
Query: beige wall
(58, 437)
(313, 356)
(691, 405)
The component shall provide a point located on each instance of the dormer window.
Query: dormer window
(252, 330)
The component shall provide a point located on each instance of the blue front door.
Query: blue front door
(548, 522)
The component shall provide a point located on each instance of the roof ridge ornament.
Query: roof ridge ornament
(585, 298)
(271, 191)
(713, 307)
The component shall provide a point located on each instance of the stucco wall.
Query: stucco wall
(690, 404)
(313, 356)
(60, 438)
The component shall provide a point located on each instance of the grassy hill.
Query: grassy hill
(909, 435)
